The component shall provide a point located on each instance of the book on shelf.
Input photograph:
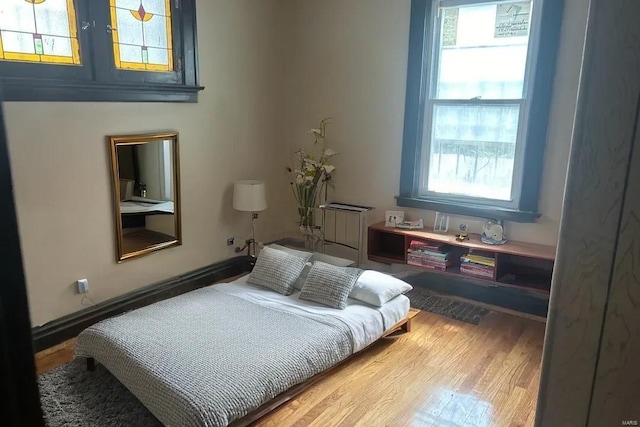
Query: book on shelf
(428, 262)
(419, 245)
(478, 259)
(476, 267)
(425, 257)
(474, 272)
(429, 254)
(427, 265)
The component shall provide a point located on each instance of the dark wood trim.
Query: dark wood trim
(190, 43)
(69, 326)
(415, 96)
(24, 89)
(97, 79)
(541, 93)
(18, 389)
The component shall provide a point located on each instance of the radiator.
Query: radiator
(344, 227)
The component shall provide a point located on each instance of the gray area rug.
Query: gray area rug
(72, 396)
(423, 300)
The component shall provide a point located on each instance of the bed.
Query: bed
(214, 356)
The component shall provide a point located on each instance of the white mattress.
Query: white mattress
(366, 322)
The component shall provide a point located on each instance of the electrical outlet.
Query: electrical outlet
(231, 241)
(83, 286)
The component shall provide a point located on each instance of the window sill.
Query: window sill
(468, 209)
(27, 89)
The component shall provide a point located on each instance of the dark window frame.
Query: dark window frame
(97, 79)
(536, 135)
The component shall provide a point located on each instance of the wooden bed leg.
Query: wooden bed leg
(407, 326)
(91, 364)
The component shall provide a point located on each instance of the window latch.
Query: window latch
(87, 25)
(110, 29)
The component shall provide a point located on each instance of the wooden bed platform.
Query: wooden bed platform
(401, 327)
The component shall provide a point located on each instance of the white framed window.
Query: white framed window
(468, 133)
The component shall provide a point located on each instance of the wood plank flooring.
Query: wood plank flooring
(444, 373)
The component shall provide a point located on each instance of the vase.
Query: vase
(307, 226)
(306, 216)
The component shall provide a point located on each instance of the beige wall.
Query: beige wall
(61, 169)
(272, 69)
(348, 60)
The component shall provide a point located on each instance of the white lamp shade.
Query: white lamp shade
(249, 195)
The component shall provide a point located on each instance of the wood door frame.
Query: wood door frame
(594, 265)
(19, 392)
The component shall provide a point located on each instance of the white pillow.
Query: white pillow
(315, 256)
(333, 260)
(302, 254)
(377, 288)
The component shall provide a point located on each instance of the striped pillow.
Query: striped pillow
(302, 254)
(329, 284)
(277, 270)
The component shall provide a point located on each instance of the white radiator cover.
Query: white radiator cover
(343, 229)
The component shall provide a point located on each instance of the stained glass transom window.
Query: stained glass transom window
(142, 35)
(39, 31)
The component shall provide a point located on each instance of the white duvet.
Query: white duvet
(366, 322)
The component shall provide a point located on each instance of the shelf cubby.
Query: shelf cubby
(518, 265)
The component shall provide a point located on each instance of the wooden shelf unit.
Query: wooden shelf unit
(518, 264)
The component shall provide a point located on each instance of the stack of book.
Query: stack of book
(429, 254)
(477, 265)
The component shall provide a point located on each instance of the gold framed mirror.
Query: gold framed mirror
(146, 193)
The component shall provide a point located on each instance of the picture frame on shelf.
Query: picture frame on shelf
(391, 218)
(441, 223)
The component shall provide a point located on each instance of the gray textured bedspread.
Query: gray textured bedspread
(207, 358)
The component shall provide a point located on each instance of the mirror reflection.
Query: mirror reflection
(146, 190)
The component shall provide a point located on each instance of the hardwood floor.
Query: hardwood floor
(142, 239)
(445, 373)
(54, 356)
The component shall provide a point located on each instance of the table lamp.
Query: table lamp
(249, 196)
